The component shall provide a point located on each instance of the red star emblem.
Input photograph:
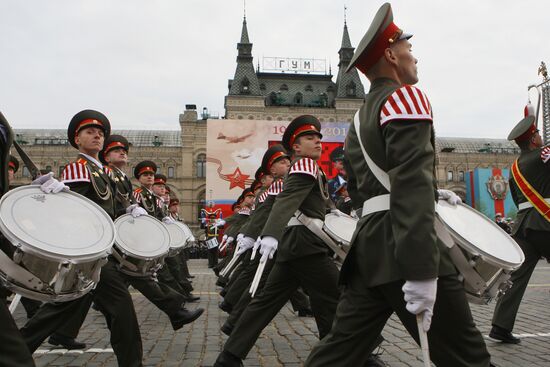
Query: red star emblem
(237, 179)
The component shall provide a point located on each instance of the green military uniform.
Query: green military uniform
(13, 350)
(391, 246)
(531, 229)
(87, 177)
(302, 258)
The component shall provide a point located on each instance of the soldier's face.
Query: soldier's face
(308, 146)
(90, 140)
(174, 208)
(117, 157)
(280, 167)
(159, 190)
(405, 62)
(147, 179)
(267, 180)
(248, 200)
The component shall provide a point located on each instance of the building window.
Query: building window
(262, 86)
(283, 87)
(26, 172)
(298, 98)
(61, 169)
(171, 172)
(48, 168)
(245, 86)
(309, 88)
(201, 165)
(351, 90)
(461, 176)
(449, 175)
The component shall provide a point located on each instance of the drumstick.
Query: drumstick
(257, 278)
(424, 346)
(14, 302)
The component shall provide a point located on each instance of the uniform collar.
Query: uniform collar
(91, 159)
(380, 82)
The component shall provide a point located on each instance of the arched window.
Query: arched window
(61, 169)
(201, 165)
(323, 100)
(245, 86)
(283, 87)
(262, 86)
(351, 89)
(298, 98)
(171, 172)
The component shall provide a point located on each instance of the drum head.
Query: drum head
(479, 235)
(143, 237)
(340, 228)
(178, 234)
(65, 225)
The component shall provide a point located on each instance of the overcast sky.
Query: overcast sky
(141, 61)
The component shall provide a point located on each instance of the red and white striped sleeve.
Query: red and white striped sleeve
(545, 154)
(276, 188)
(406, 103)
(305, 166)
(137, 195)
(262, 197)
(75, 172)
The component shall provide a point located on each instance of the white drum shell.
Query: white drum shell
(179, 236)
(340, 228)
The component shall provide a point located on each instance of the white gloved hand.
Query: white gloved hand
(48, 184)
(420, 297)
(168, 220)
(268, 246)
(244, 244)
(229, 240)
(449, 196)
(240, 236)
(219, 223)
(255, 248)
(130, 208)
(138, 211)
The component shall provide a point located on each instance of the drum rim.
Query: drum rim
(128, 252)
(48, 255)
(186, 235)
(334, 235)
(474, 250)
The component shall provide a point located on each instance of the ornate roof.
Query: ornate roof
(475, 145)
(348, 84)
(245, 81)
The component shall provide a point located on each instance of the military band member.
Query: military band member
(86, 176)
(530, 189)
(174, 209)
(396, 263)
(212, 220)
(144, 172)
(302, 258)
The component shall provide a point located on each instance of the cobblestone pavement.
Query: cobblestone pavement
(288, 339)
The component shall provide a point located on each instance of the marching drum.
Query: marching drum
(340, 229)
(179, 237)
(141, 244)
(211, 243)
(59, 241)
(485, 254)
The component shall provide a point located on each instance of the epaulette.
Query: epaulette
(75, 172)
(275, 188)
(545, 154)
(306, 166)
(406, 103)
(81, 161)
(138, 190)
(262, 197)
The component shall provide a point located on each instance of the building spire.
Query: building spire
(348, 85)
(245, 80)
(345, 15)
(244, 32)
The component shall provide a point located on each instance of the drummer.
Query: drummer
(530, 179)
(302, 258)
(396, 264)
(86, 176)
(174, 209)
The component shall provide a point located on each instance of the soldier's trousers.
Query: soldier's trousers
(212, 257)
(13, 350)
(113, 299)
(362, 313)
(316, 273)
(171, 275)
(534, 245)
(183, 257)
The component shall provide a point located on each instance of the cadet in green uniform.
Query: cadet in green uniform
(302, 258)
(87, 177)
(530, 189)
(396, 263)
(13, 350)
(174, 208)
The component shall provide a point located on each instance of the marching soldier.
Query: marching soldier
(396, 263)
(174, 208)
(87, 131)
(530, 189)
(302, 258)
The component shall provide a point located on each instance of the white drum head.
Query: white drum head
(480, 235)
(178, 234)
(340, 228)
(65, 225)
(143, 237)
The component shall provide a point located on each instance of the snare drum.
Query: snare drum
(211, 243)
(141, 244)
(60, 242)
(485, 256)
(179, 235)
(340, 228)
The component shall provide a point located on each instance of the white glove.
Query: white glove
(240, 236)
(229, 240)
(244, 244)
(420, 297)
(48, 184)
(130, 208)
(268, 246)
(168, 220)
(450, 196)
(139, 211)
(255, 248)
(219, 223)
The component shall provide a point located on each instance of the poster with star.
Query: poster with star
(235, 149)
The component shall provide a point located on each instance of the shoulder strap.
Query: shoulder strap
(538, 202)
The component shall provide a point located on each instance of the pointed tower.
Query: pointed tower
(348, 85)
(245, 81)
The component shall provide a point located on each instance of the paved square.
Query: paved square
(288, 339)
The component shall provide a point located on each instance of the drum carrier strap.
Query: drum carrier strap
(382, 203)
(536, 200)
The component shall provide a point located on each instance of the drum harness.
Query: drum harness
(382, 203)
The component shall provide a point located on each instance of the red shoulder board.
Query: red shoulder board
(75, 172)
(406, 103)
(545, 154)
(275, 188)
(81, 161)
(262, 197)
(306, 166)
